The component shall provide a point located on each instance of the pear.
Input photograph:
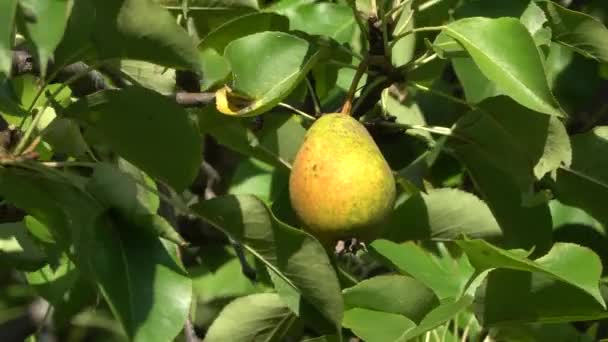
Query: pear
(340, 184)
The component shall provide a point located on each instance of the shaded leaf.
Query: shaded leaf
(17, 248)
(442, 214)
(519, 74)
(522, 226)
(527, 152)
(167, 144)
(146, 289)
(258, 317)
(288, 253)
(512, 297)
(142, 30)
(578, 31)
(440, 315)
(585, 183)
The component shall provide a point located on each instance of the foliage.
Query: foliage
(146, 145)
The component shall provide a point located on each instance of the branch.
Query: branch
(93, 81)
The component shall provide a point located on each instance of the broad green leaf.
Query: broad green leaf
(148, 75)
(8, 9)
(519, 74)
(578, 31)
(219, 276)
(64, 136)
(522, 226)
(327, 19)
(258, 317)
(17, 248)
(167, 144)
(266, 68)
(122, 186)
(51, 199)
(440, 315)
(441, 214)
(406, 112)
(128, 191)
(403, 50)
(77, 43)
(414, 261)
(146, 289)
(563, 262)
(392, 294)
(215, 67)
(477, 87)
(276, 143)
(514, 297)
(376, 326)
(65, 288)
(44, 23)
(526, 152)
(566, 215)
(257, 178)
(287, 252)
(142, 30)
(585, 183)
(10, 108)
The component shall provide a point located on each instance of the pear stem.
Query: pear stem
(348, 104)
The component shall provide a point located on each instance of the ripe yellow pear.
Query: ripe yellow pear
(340, 185)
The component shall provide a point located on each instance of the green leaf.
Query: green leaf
(519, 74)
(514, 297)
(563, 262)
(17, 248)
(525, 151)
(441, 214)
(142, 30)
(148, 75)
(8, 9)
(412, 260)
(127, 190)
(392, 294)
(215, 67)
(403, 50)
(439, 316)
(54, 201)
(266, 68)
(146, 289)
(167, 144)
(276, 143)
(578, 31)
(475, 84)
(219, 276)
(375, 326)
(287, 252)
(522, 226)
(44, 23)
(326, 19)
(257, 178)
(258, 317)
(585, 183)
(77, 43)
(65, 288)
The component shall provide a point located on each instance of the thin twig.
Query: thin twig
(441, 94)
(415, 30)
(348, 104)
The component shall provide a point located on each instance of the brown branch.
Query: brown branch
(93, 81)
